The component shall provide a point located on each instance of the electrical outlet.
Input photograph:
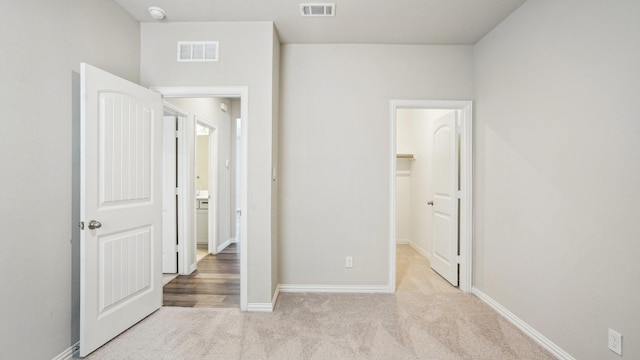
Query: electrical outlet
(349, 261)
(615, 342)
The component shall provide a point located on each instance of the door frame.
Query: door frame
(170, 230)
(466, 172)
(184, 202)
(242, 93)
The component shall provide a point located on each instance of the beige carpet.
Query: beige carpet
(425, 319)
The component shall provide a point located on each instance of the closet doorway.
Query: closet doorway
(431, 185)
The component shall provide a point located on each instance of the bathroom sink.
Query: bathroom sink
(202, 194)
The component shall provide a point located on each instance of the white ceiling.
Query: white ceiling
(356, 21)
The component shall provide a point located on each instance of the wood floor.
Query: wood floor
(216, 283)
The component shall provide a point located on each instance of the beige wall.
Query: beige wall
(407, 142)
(557, 168)
(43, 43)
(421, 180)
(202, 162)
(334, 147)
(246, 59)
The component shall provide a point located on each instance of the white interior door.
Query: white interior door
(188, 241)
(444, 259)
(169, 194)
(121, 206)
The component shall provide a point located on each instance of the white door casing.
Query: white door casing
(444, 259)
(169, 193)
(121, 172)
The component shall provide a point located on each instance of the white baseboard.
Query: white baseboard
(536, 336)
(295, 288)
(275, 297)
(225, 244)
(265, 307)
(259, 307)
(70, 353)
(402, 241)
(422, 251)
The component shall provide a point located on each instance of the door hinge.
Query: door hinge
(458, 259)
(177, 191)
(177, 248)
(81, 225)
(177, 133)
(459, 194)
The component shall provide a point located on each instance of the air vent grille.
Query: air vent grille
(318, 9)
(197, 51)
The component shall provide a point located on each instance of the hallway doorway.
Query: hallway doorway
(234, 206)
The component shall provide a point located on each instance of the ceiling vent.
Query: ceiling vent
(318, 9)
(197, 51)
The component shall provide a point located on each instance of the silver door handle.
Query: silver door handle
(93, 224)
(430, 203)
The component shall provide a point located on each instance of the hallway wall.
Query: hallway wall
(248, 55)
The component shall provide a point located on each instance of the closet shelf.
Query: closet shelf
(405, 156)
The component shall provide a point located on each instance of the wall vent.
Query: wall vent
(197, 51)
(318, 9)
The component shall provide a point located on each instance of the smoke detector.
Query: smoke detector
(318, 9)
(157, 13)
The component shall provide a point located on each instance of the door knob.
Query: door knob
(93, 224)
(430, 203)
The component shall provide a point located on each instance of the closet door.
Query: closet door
(444, 259)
